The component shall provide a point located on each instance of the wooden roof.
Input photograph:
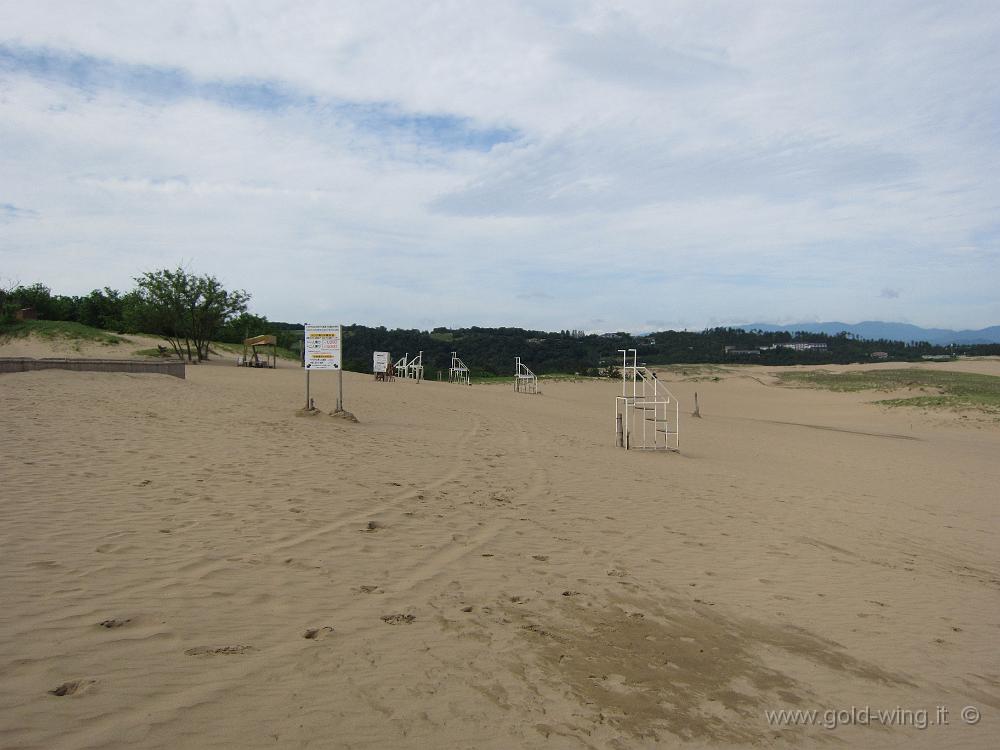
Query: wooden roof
(261, 341)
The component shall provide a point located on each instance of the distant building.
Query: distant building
(26, 313)
(880, 355)
(799, 346)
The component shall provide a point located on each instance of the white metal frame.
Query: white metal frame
(459, 371)
(645, 408)
(400, 366)
(415, 368)
(524, 379)
(410, 369)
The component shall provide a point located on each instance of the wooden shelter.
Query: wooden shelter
(257, 354)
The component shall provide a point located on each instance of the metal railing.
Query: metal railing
(524, 379)
(412, 369)
(459, 371)
(647, 416)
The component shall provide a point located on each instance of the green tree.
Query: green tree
(103, 309)
(186, 309)
(47, 306)
(6, 301)
(243, 326)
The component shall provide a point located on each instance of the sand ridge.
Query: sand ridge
(479, 568)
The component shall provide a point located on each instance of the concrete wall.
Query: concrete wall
(25, 364)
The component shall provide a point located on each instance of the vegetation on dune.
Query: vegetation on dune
(950, 389)
(77, 333)
(187, 310)
(58, 329)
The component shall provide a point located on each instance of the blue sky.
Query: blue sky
(606, 166)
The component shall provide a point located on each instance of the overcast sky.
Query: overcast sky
(604, 165)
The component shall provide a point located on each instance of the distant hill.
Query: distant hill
(876, 329)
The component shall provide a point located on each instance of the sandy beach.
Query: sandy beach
(188, 564)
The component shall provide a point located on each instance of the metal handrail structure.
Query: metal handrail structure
(415, 368)
(410, 369)
(400, 366)
(647, 416)
(524, 379)
(459, 371)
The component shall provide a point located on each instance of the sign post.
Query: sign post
(323, 348)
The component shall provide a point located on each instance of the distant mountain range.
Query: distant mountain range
(877, 329)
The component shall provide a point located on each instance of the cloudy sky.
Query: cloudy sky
(548, 164)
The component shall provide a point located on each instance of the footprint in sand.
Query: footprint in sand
(222, 650)
(71, 688)
(115, 622)
(316, 634)
(369, 589)
(541, 558)
(398, 619)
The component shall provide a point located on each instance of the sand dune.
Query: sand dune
(61, 346)
(188, 564)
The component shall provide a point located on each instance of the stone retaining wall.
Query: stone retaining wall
(25, 364)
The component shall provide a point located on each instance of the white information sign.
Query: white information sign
(380, 362)
(323, 347)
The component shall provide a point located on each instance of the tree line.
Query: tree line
(190, 311)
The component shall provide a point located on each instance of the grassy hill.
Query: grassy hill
(936, 388)
(54, 330)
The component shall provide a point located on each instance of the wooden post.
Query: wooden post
(619, 442)
(697, 411)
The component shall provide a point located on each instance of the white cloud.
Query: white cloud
(710, 163)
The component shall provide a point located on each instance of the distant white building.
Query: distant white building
(799, 346)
